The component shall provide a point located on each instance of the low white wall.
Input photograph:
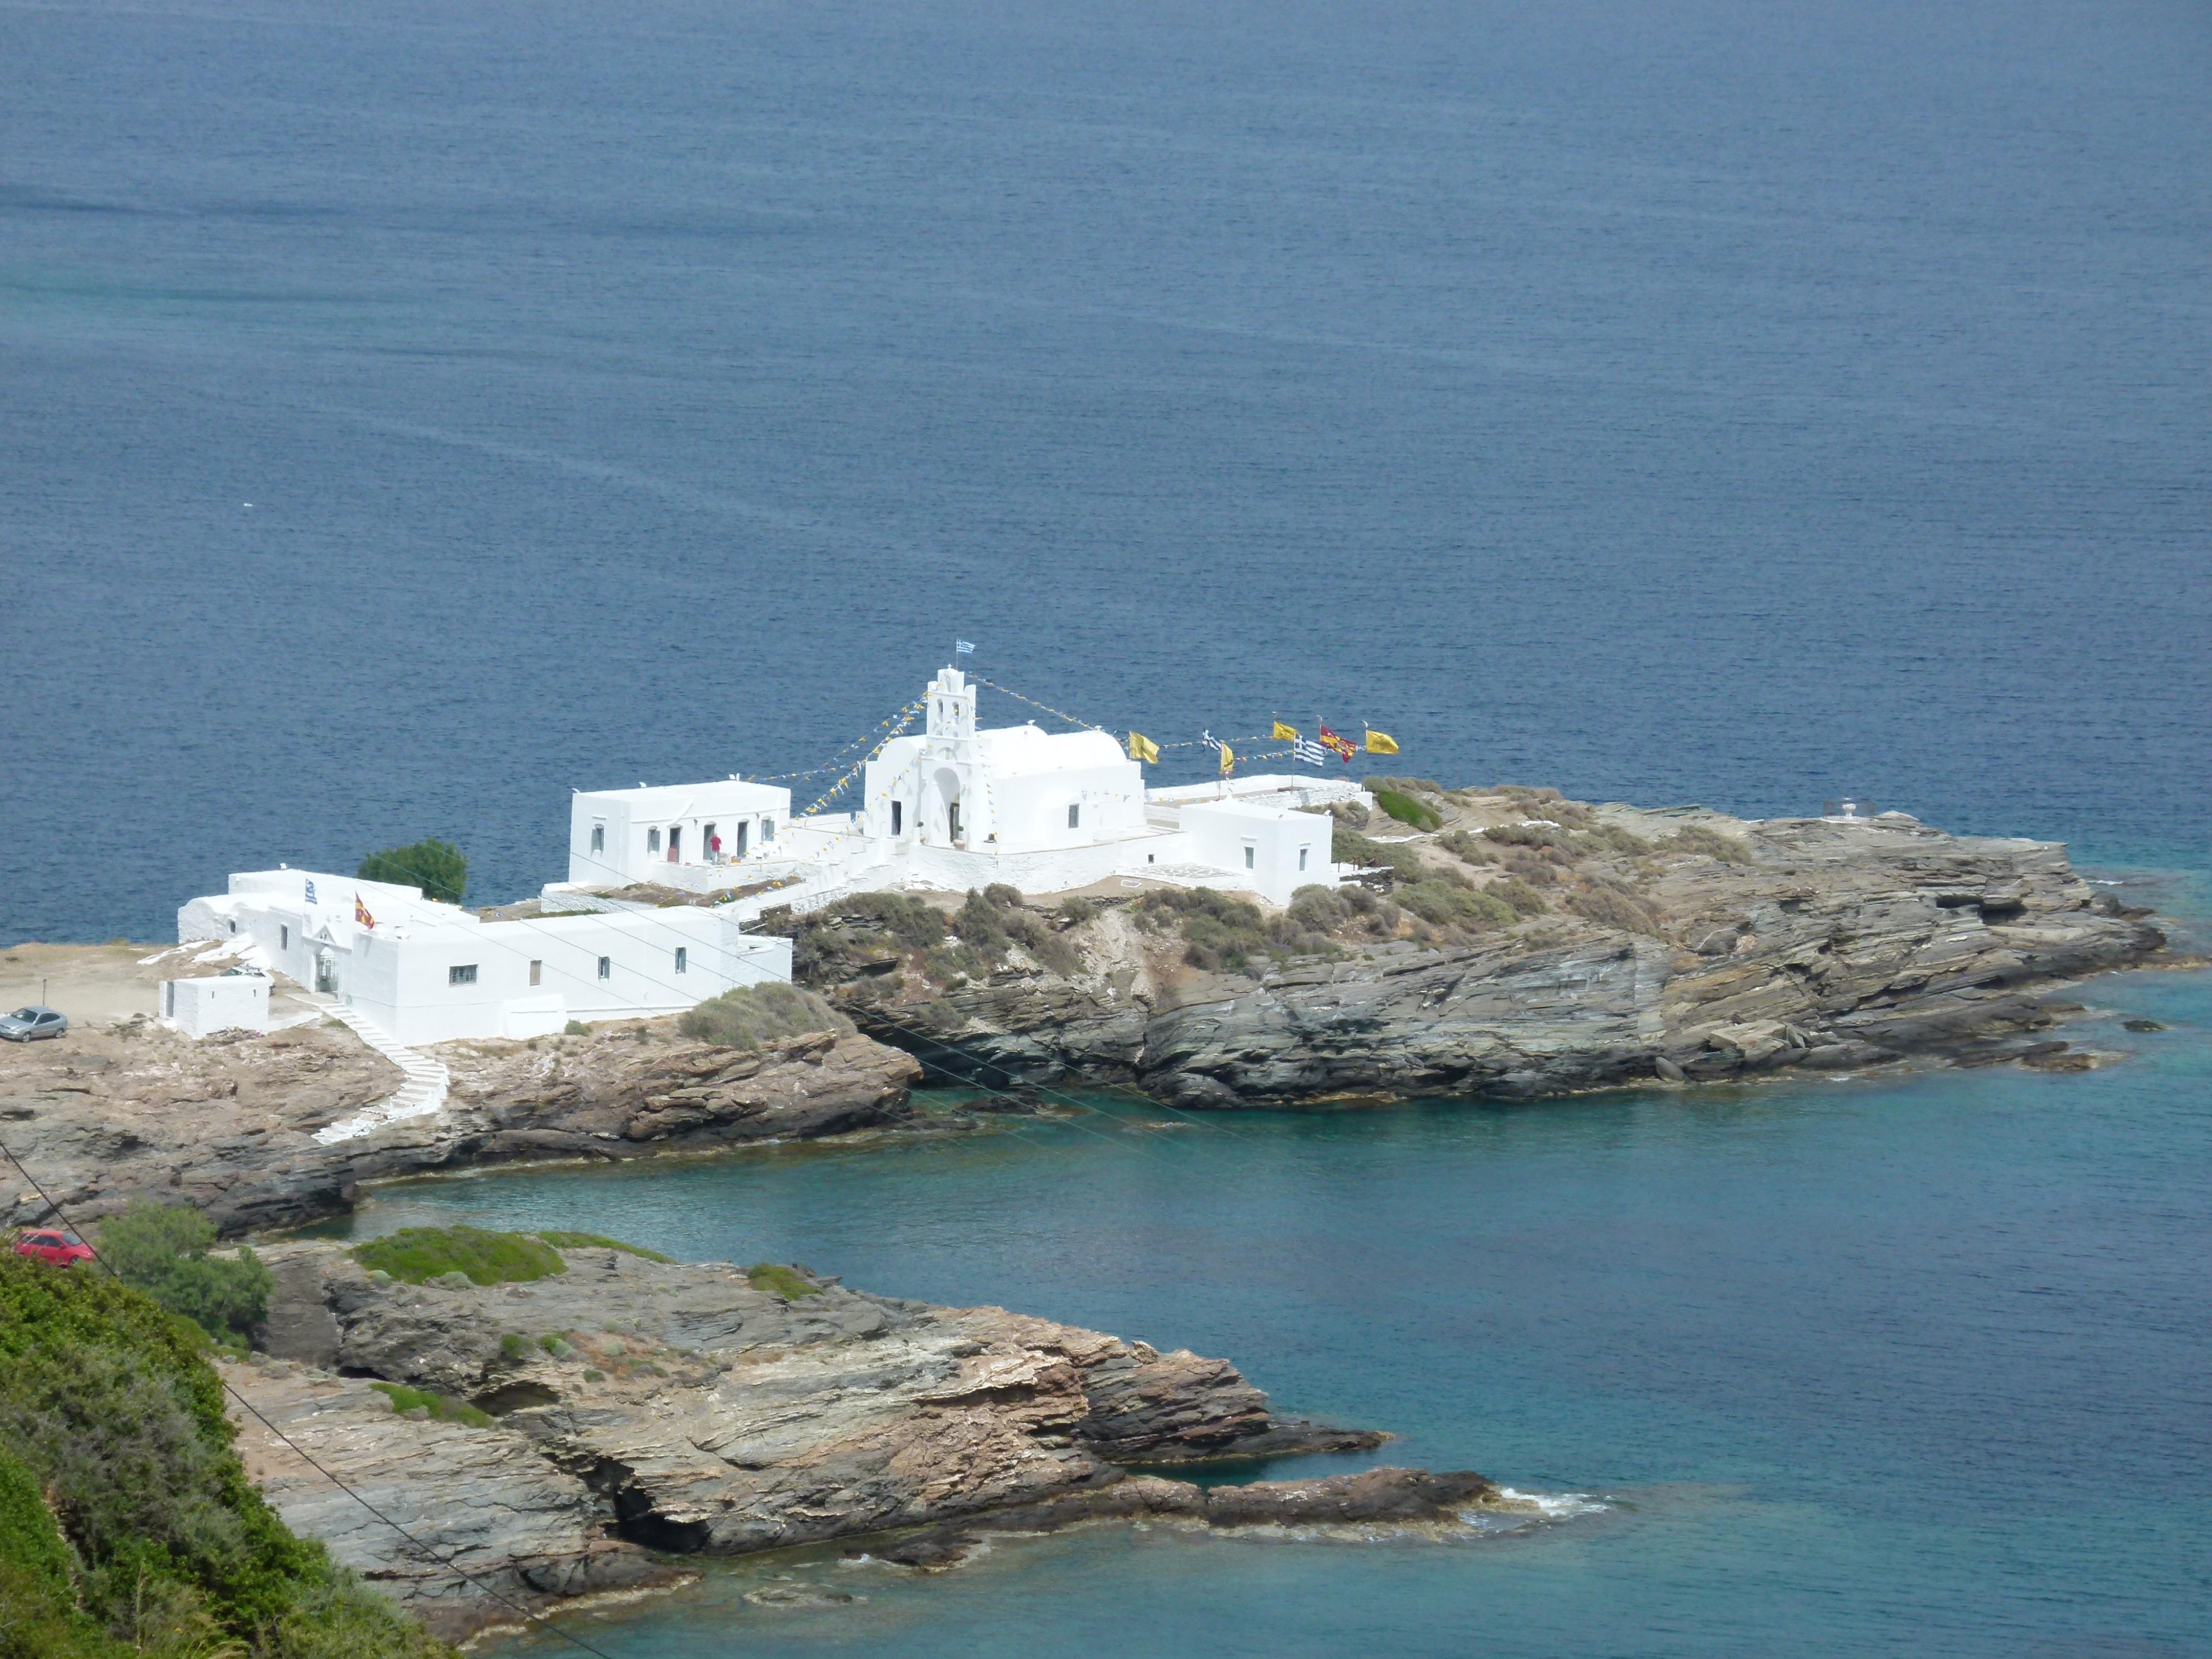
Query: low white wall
(224, 1002)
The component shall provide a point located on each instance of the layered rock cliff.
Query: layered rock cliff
(1526, 947)
(640, 1409)
(227, 1124)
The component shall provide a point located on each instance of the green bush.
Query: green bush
(435, 867)
(1525, 835)
(826, 944)
(1406, 809)
(417, 1253)
(561, 1240)
(1472, 848)
(1699, 838)
(1525, 900)
(514, 1346)
(1350, 846)
(162, 1249)
(1610, 907)
(771, 1278)
(29, 1535)
(108, 1404)
(1444, 904)
(747, 1016)
(440, 1408)
(575, 1028)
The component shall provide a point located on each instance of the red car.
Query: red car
(58, 1247)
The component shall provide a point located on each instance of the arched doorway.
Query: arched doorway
(947, 785)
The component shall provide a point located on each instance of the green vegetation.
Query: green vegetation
(575, 1028)
(163, 1250)
(553, 1344)
(1450, 904)
(561, 1240)
(747, 1016)
(127, 1526)
(1612, 908)
(420, 1253)
(514, 1346)
(771, 1278)
(1472, 848)
(1407, 810)
(441, 1409)
(1350, 846)
(1225, 934)
(435, 867)
(1699, 838)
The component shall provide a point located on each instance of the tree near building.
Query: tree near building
(438, 868)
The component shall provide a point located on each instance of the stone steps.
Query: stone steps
(422, 1094)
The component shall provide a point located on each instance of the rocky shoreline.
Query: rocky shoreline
(1644, 948)
(594, 1429)
(228, 1124)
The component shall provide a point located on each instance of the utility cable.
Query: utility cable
(424, 1549)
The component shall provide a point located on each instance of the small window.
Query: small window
(606, 967)
(234, 927)
(652, 839)
(599, 838)
(536, 972)
(1303, 851)
(1075, 817)
(463, 974)
(768, 829)
(1249, 854)
(683, 959)
(898, 817)
(283, 938)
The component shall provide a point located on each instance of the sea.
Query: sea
(411, 413)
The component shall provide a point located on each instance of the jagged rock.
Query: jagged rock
(229, 1126)
(678, 1408)
(1849, 944)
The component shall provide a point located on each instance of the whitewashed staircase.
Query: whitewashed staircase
(423, 1092)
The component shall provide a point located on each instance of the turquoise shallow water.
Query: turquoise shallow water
(1905, 1367)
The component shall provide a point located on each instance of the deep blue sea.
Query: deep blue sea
(410, 412)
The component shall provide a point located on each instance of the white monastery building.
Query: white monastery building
(951, 809)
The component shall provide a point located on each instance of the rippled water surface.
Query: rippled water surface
(411, 412)
(1908, 1367)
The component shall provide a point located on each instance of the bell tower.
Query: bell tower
(951, 707)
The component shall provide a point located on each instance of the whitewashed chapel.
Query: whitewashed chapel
(949, 808)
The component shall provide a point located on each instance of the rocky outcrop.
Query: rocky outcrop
(227, 1124)
(1808, 944)
(640, 1405)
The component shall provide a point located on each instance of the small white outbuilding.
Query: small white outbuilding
(235, 1001)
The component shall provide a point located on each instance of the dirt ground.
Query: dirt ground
(93, 984)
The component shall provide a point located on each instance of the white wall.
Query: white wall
(224, 1002)
(633, 820)
(398, 975)
(1262, 846)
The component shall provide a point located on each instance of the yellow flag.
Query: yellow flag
(1142, 748)
(1381, 743)
(1228, 760)
(1283, 734)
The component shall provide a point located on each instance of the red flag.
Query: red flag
(361, 914)
(1345, 748)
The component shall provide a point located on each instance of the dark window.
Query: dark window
(599, 838)
(463, 974)
(606, 967)
(652, 839)
(1248, 858)
(283, 938)
(1075, 817)
(768, 829)
(898, 817)
(537, 970)
(683, 959)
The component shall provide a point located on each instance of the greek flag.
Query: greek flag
(311, 892)
(1307, 752)
(963, 647)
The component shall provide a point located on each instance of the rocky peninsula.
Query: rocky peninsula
(1504, 943)
(587, 1417)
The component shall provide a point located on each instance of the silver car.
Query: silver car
(29, 1024)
